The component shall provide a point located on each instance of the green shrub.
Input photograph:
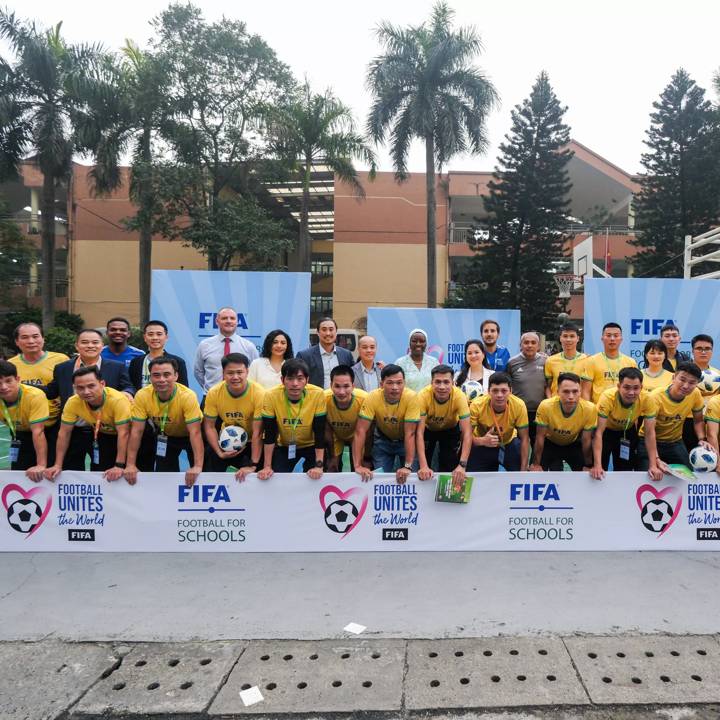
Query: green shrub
(60, 339)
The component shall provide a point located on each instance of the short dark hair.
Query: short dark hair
(690, 368)
(294, 367)
(342, 370)
(159, 323)
(88, 330)
(630, 373)
(391, 369)
(270, 339)
(485, 322)
(163, 360)
(7, 369)
(441, 370)
(569, 327)
(702, 338)
(667, 327)
(572, 377)
(325, 319)
(235, 358)
(117, 319)
(16, 332)
(87, 370)
(500, 378)
(612, 325)
(653, 345)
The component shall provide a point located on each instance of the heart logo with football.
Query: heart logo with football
(26, 513)
(341, 514)
(658, 508)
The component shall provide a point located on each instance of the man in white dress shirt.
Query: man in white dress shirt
(211, 351)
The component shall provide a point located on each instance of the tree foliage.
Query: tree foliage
(527, 214)
(679, 189)
(17, 254)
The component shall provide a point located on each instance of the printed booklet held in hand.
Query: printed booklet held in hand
(447, 491)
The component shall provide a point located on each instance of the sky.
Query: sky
(607, 61)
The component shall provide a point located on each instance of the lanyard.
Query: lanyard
(9, 421)
(496, 423)
(294, 420)
(627, 420)
(146, 371)
(164, 409)
(98, 418)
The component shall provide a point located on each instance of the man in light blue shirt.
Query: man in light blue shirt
(497, 356)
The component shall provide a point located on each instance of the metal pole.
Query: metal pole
(688, 254)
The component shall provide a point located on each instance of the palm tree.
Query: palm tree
(425, 88)
(129, 120)
(317, 130)
(41, 92)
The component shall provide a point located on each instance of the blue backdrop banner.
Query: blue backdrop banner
(643, 306)
(447, 330)
(188, 300)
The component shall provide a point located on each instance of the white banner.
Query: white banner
(339, 513)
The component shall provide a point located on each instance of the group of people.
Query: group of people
(131, 411)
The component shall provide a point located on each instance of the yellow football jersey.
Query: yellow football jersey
(670, 414)
(513, 419)
(343, 422)
(619, 416)
(442, 416)
(653, 383)
(712, 411)
(603, 372)
(294, 419)
(30, 408)
(389, 417)
(39, 374)
(565, 429)
(115, 410)
(235, 410)
(558, 363)
(170, 417)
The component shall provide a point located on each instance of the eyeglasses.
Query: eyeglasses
(703, 349)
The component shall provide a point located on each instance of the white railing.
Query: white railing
(711, 237)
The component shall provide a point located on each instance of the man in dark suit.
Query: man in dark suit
(326, 355)
(155, 335)
(89, 344)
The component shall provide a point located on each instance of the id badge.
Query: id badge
(96, 454)
(501, 456)
(292, 451)
(14, 450)
(161, 447)
(624, 450)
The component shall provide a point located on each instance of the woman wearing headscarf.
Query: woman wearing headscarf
(417, 364)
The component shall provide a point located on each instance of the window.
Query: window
(321, 304)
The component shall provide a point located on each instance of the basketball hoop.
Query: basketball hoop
(565, 283)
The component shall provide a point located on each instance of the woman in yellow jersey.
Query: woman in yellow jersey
(654, 374)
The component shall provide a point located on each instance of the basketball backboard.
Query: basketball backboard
(583, 260)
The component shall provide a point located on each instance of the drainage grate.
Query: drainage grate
(157, 677)
(324, 676)
(496, 672)
(652, 669)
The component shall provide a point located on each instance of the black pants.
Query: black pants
(213, 463)
(26, 452)
(145, 460)
(448, 442)
(282, 464)
(171, 461)
(669, 452)
(80, 446)
(532, 428)
(487, 459)
(51, 434)
(554, 455)
(611, 448)
(689, 437)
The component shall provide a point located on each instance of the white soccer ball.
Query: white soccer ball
(710, 382)
(233, 438)
(656, 514)
(23, 515)
(472, 389)
(703, 459)
(340, 516)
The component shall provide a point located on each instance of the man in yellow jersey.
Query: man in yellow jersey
(702, 351)
(712, 425)
(661, 434)
(24, 411)
(500, 429)
(343, 403)
(444, 422)
(568, 360)
(294, 417)
(564, 428)
(235, 401)
(107, 413)
(620, 410)
(394, 410)
(35, 367)
(602, 370)
(670, 338)
(174, 413)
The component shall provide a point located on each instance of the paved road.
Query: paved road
(175, 597)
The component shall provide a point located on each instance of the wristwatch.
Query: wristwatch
(319, 464)
(463, 464)
(122, 466)
(408, 466)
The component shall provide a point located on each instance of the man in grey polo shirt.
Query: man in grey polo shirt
(527, 370)
(211, 351)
